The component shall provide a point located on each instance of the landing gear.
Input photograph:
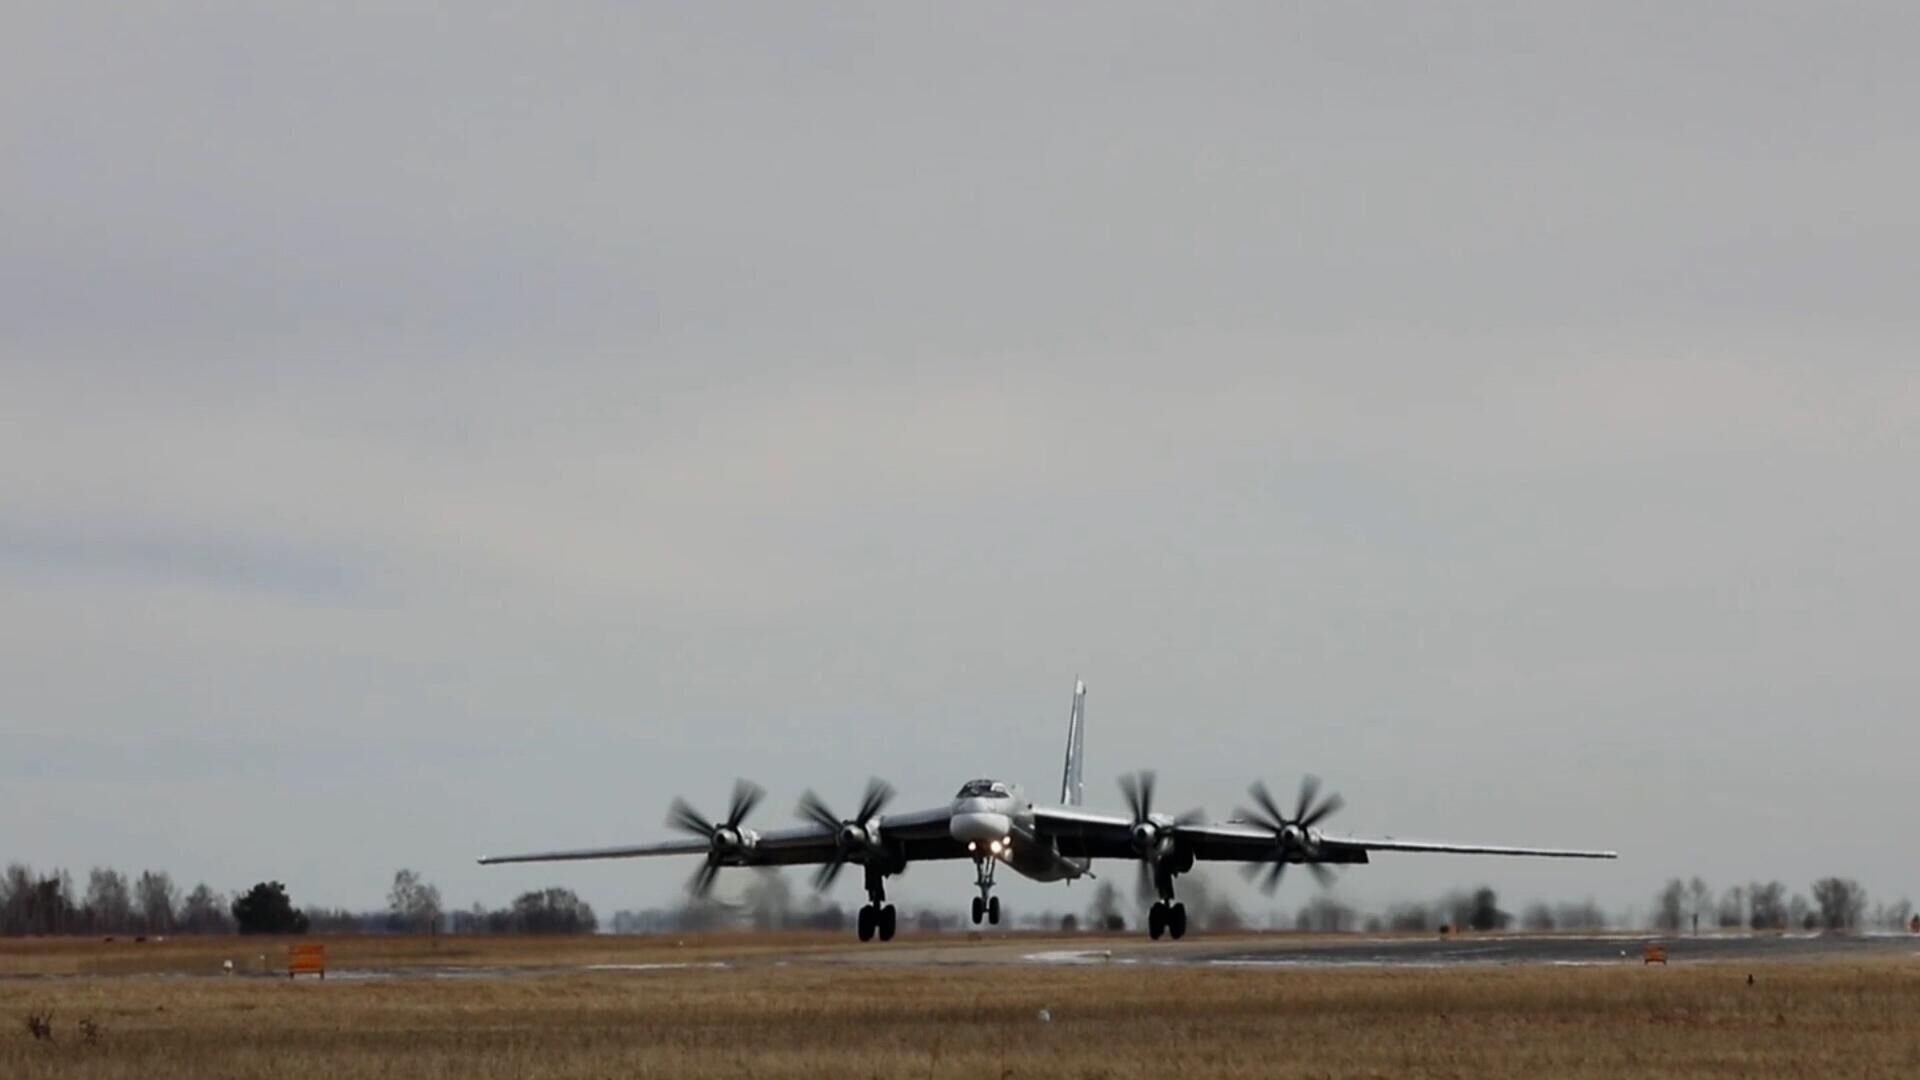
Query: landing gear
(1164, 918)
(986, 905)
(877, 919)
(988, 909)
(878, 916)
(1167, 915)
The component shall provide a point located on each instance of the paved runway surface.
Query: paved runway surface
(1353, 951)
(1277, 952)
(1530, 949)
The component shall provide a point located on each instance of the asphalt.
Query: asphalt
(1530, 949)
(1353, 951)
(1278, 952)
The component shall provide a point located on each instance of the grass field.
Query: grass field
(808, 1020)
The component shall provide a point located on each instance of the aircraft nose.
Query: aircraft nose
(980, 827)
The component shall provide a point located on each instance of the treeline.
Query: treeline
(1837, 903)
(151, 905)
(34, 903)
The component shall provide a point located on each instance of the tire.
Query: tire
(867, 920)
(1156, 921)
(979, 910)
(887, 923)
(1177, 921)
(993, 911)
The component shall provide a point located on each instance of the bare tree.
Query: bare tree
(1537, 916)
(1410, 917)
(414, 904)
(205, 912)
(1580, 915)
(1842, 902)
(16, 895)
(768, 898)
(1104, 912)
(1894, 916)
(1670, 906)
(109, 901)
(156, 899)
(1325, 915)
(1733, 908)
(1800, 913)
(1699, 901)
(1767, 906)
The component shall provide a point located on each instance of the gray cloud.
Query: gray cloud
(436, 430)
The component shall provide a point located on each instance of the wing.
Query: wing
(918, 836)
(1390, 844)
(1235, 841)
(1088, 834)
(689, 846)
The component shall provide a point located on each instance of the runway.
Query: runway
(1331, 951)
(1567, 951)
(643, 957)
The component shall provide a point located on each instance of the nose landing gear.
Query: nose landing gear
(986, 905)
(878, 916)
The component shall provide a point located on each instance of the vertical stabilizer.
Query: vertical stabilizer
(1071, 787)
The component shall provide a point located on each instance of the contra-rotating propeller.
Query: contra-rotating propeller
(724, 838)
(1151, 837)
(1291, 835)
(854, 836)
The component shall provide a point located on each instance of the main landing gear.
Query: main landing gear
(986, 905)
(878, 916)
(1166, 916)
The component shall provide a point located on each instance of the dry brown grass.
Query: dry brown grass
(809, 1020)
(204, 955)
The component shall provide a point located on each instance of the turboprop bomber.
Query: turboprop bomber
(993, 823)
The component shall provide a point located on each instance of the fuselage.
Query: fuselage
(994, 819)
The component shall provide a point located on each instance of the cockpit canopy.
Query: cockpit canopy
(984, 789)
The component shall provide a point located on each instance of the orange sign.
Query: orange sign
(1653, 954)
(306, 960)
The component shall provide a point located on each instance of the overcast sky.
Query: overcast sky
(432, 431)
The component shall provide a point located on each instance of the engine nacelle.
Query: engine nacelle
(1143, 835)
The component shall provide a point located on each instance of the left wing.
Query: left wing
(1238, 841)
(1094, 835)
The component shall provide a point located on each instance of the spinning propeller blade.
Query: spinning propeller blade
(723, 837)
(851, 834)
(1290, 834)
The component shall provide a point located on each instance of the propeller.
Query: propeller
(724, 838)
(852, 836)
(1291, 835)
(1152, 837)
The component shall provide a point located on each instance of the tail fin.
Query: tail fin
(1071, 787)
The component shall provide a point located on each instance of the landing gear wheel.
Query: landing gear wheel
(1156, 920)
(993, 911)
(867, 921)
(887, 923)
(979, 910)
(1177, 921)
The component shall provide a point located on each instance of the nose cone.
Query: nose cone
(981, 826)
